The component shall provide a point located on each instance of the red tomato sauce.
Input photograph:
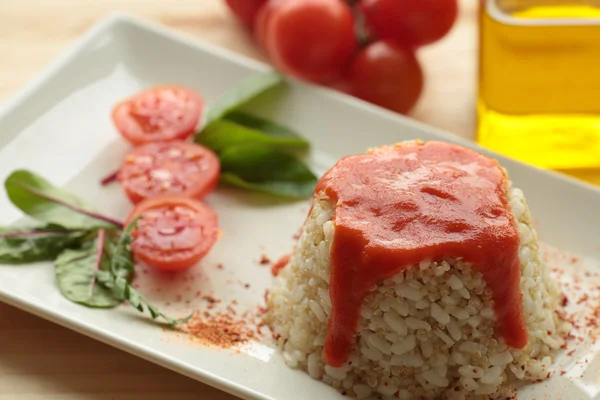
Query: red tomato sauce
(397, 206)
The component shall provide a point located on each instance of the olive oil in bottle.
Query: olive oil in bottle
(539, 83)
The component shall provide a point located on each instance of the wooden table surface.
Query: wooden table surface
(40, 360)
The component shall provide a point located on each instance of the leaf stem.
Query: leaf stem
(110, 178)
(75, 208)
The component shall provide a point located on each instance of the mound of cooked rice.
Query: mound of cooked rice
(427, 333)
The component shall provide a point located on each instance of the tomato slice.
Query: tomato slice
(158, 114)
(169, 168)
(174, 233)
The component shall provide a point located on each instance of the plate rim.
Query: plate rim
(112, 21)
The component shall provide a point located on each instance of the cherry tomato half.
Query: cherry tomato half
(310, 39)
(174, 233)
(158, 114)
(246, 10)
(169, 168)
(386, 75)
(409, 23)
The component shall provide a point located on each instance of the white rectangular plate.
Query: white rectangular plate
(59, 126)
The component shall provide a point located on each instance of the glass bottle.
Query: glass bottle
(539, 81)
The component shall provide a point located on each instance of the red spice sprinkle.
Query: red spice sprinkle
(247, 285)
(219, 329)
(261, 311)
(583, 298)
(264, 259)
(231, 310)
(210, 299)
(220, 266)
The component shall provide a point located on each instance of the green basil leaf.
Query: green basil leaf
(121, 257)
(154, 313)
(223, 134)
(267, 170)
(134, 299)
(121, 263)
(41, 200)
(120, 266)
(291, 190)
(138, 302)
(77, 273)
(42, 243)
(245, 91)
(268, 127)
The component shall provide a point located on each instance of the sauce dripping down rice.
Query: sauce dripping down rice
(396, 206)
